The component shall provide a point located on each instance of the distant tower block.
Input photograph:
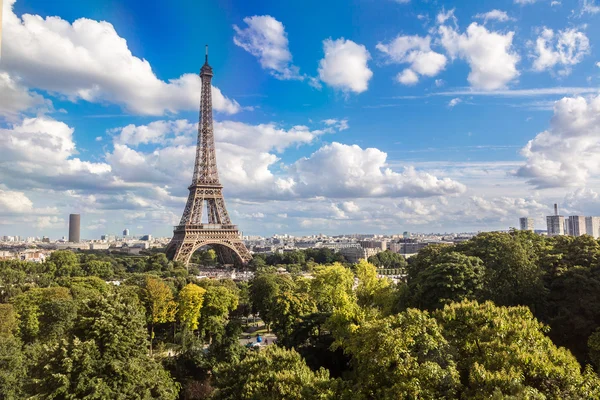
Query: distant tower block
(74, 228)
(206, 195)
(126, 232)
(526, 224)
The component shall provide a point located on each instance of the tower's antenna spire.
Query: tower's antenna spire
(206, 60)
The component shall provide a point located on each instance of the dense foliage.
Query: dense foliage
(502, 316)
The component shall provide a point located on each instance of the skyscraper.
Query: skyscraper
(526, 224)
(555, 223)
(126, 232)
(74, 228)
(592, 226)
(576, 225)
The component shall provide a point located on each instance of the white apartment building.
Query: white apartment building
(577, 226)
(526, 224)
(556, 225)
(592, 226)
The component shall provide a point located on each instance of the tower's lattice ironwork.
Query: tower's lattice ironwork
(219, 232)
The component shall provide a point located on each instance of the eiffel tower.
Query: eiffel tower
(219, 232)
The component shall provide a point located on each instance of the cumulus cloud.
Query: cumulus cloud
(454, 102)
(567, 153)
(590, 7)
(88, 60)
(154, 132)
(16, 98)
(522, 2)
(14, 202)
(247, 159)
(356, 172)
(490, 55)
(565, 48)
(345, 66)
(266, 39)
(496, 15)
(40, 152)
(415, 51)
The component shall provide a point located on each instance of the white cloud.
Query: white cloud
(42, 150)
(590, 7)
(345, 66)
(247, 165)
(561, 90)
(356, 172)
(266, 39)
(408, 77)
(14, 202)
(338, 124)
(16, 98)
(454, 102)
(244, 153)
(88, 60)
(566, 48)
(442, 17)
(567, 153)
(497, 15)
(155, 132)
(489, 54)
(416, 51)
(525, 1)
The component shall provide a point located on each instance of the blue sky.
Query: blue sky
(333, 117)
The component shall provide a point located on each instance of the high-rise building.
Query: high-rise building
(74, 228)
(526, 224)
(555, 223)
(576, 225)
(592, 226)
(126, 232)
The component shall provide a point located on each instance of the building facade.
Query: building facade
(526, 224)
(592, 226)
(74, 228)
(576, 225)
(556, 225)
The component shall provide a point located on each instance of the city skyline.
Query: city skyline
(433, 118)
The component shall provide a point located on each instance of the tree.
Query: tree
(104, 356)
(451, 277)
(102, 269)
(372, 291)
(13, 368)
(219, 301)
(63, 263)
(572, 310)
(264, 288)
(388, 259)
(271, 374)
(513, 274)
(289, 307)
(503, 351)
(190, 303)
(332, 287)
(401, 356)
(9, 322)
(159, 303)
(28, 305)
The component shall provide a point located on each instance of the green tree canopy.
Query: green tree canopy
(104, 357)
(191, 298)
(451, 277)
(272, 374)
(504, 351)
